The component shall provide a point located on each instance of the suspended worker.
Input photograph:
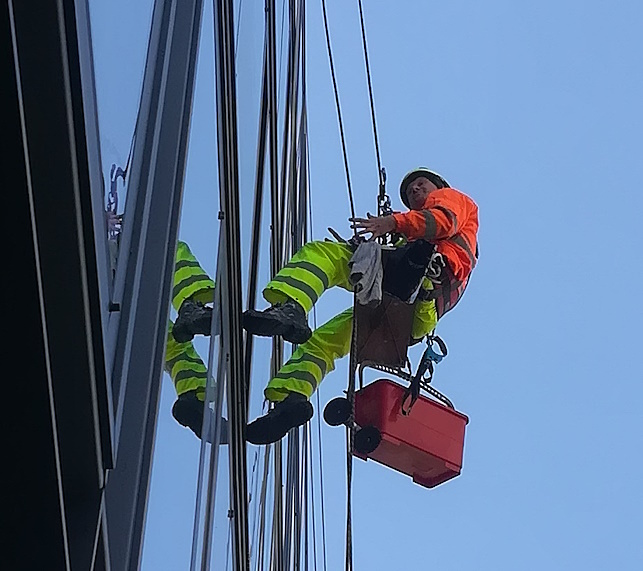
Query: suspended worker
(440, 220)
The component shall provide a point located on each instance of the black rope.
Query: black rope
(313, 518)
(350, 437)
(319, 430)
(370, 94)
(321, 484)
(353, 365)
(304, 508)
(349, 478)
(254, 497)
(339, 115)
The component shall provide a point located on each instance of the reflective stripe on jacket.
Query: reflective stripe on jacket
(448, 219)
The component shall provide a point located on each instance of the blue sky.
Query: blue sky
(534, 110)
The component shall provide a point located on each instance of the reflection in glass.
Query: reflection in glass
(114, 216)
(120, 36)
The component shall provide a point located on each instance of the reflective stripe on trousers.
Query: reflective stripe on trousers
(184, 365)
(316, 267)
(315, 358)
(182, 362)
(190, 279)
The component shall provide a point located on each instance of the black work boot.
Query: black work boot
(286, 319)
(188, 411)
(194, 318)
(293, 411)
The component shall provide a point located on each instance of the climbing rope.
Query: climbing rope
(382, 206)
(349, 439)
(381, 173)
(319, 430)
(350, 436)
(339, 114)
(321, 484)
(383, 200)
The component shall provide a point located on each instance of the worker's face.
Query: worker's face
(417, 191)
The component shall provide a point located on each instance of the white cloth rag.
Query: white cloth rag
(366, 272)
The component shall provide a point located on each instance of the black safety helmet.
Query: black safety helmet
(409, 177)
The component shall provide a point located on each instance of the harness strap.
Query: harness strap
(429, 357)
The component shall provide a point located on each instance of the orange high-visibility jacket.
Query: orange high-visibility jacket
(448, 219)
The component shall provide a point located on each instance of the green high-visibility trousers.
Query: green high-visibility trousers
(182, 362)
(316, 267)
(313, 269)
